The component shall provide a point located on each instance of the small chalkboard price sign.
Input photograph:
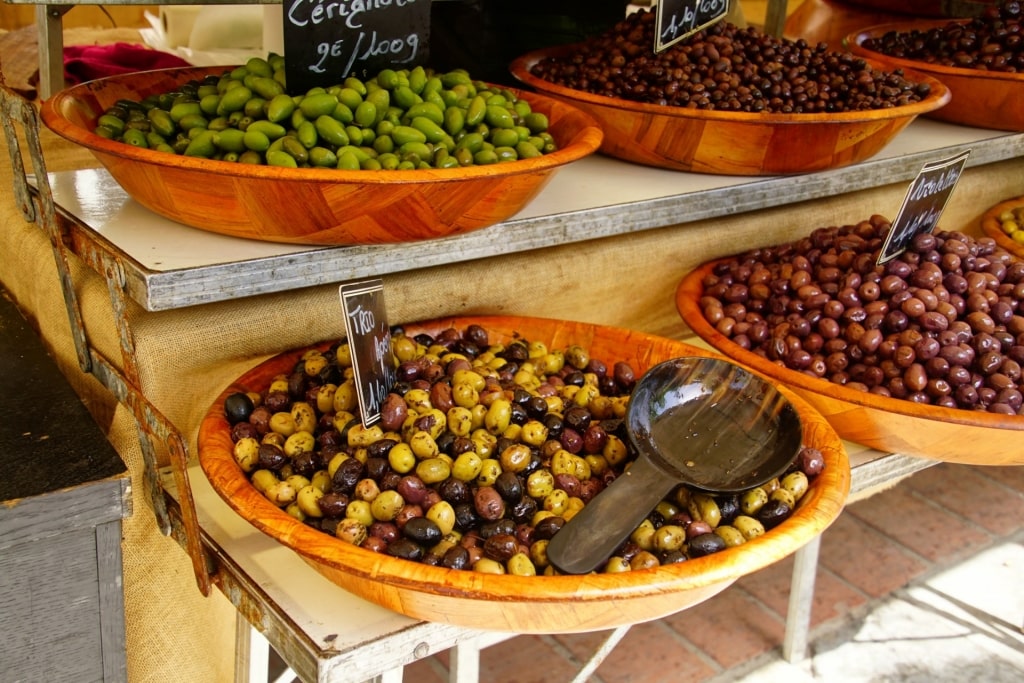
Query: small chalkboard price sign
(679, 19)
(923, 204)
(369, 340)
(325, 42)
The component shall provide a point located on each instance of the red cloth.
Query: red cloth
(89, 62)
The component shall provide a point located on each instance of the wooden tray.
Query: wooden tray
(992, 226)
(983, 99)
(311, 205)
(887, 424)
(733, 143)
(540, 604)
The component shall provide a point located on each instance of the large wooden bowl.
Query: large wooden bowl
(992, 226)
(310, 205)
(887, 424)
(539, 604)
(983, 99)
(733, 143)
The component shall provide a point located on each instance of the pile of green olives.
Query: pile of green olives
(405, 119)
(482, 452)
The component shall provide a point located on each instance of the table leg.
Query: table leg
(801, 597)
(50, 25)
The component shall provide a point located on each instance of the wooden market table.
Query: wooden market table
(160, 265)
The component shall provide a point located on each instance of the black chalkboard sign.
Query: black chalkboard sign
(326, 42)
(924, 203)
(369, 340)
(678, 19)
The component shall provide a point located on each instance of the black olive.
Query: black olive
(548, 527)
(454, 491)
(345, 477)
(238, 407)
(306, 464)
(405, 549)
(333, 504)
(501, 547)
(524, 510)
(729, 506)
(422, 530)
(379, 449)
(376, 467)
(518, 414)
(674, 557)
(465, 517)
(498, 527)
(457, 557)
(773, 513)
(577, 417)
(509, 486)
(706, 544)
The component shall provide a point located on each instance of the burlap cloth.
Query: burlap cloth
(186, 357)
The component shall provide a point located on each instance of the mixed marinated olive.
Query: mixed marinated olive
(405, 119)
(483, 451)
(726, 68)
(941, 324)
(993, 41)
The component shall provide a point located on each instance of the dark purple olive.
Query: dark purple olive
(773, 513)
(405, 549)
(422, 530)
(706, 544)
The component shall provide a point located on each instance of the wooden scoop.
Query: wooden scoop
(703, 422)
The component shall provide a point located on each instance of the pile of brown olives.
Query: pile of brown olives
(993, 41)
(406, 120)
(483, 451)
(726, 68)
(941, 324)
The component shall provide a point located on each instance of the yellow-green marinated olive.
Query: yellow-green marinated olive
(382, 115)
(480, 486)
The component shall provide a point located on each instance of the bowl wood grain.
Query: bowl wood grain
(887, 424)
(540, 604)
(733, 143)
(983, 99)
(311, 205)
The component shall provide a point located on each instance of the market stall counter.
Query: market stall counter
(171, 315)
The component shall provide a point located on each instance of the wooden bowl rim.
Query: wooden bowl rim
(991, 226)
(586, 141)
(854, 42)
(687, 303)
(938, 96)
(826, 500)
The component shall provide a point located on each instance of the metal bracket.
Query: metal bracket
(37, 206)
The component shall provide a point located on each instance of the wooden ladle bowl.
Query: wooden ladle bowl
(529, 604)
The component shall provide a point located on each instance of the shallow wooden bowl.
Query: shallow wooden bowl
(992, 226)
(983, 99)
(539, 604)
(733, 143)
(308, 205)
(887, 424)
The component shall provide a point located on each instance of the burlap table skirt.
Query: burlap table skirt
(188, 356)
